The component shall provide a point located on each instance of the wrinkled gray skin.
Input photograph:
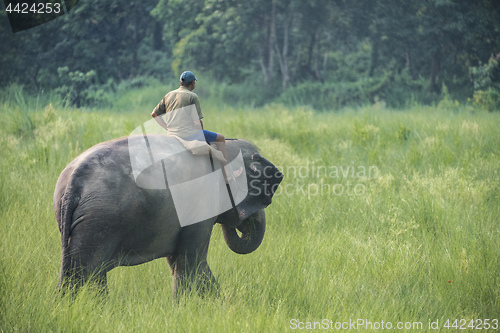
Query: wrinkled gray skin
(106, 220)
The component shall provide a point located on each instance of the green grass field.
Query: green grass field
(383, 215)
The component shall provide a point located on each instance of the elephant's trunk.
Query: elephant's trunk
(252, 233)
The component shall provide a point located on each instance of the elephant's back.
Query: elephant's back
(99, 182)
(110, 159)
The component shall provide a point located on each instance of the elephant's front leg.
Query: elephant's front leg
(189, 265)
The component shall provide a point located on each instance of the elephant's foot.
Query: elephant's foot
(202, 282)
(204, 286)
(71, 284)
(207, 285)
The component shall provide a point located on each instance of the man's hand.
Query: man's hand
(159, 120)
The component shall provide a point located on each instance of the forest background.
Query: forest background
(327, 54)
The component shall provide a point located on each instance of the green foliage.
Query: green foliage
(249, 93)
(153, 64)
(179, 26)
(182, 53)
(446, 101)
(350, 85)
(15, 96)
(322, 96)
(486, 79)
(20, 107)
(402, 91)
(140, 94)
(489, 99)
(79, 89)
(403, 133)
(487, 75)
(337, 95)
(117, 39)
(408, 49)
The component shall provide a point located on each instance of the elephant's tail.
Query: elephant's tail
(68, 204)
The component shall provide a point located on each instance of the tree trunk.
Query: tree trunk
(408, 63)
(135, 48)
(435, 69)
(312, 39)
(266, 60)
(157, 37)
(325, 60)
(283, 52)
(35, 77)
(270, 61)
(374, 55)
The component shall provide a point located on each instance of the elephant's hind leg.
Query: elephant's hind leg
(86, 263)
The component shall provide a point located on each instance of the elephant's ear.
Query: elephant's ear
(263, 179)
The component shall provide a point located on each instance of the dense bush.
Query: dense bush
(395, 90)
(488, 99)
(327, 96)
(79, 89)
(486, 79)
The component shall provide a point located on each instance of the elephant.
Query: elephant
(107, 220)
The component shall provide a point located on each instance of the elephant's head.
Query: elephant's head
(263, 179)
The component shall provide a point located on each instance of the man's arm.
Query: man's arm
(159, 120)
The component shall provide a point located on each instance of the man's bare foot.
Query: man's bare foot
(230, 175)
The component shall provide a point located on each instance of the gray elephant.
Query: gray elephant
(107, 220)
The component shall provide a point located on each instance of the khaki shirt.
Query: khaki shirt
(182, 112)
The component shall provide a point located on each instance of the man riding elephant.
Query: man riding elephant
(131, 200)
(179, 107)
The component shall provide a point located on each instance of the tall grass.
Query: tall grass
(417, 242)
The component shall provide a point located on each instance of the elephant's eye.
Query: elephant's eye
(256, 157)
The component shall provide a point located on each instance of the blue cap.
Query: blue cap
(187, 77)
